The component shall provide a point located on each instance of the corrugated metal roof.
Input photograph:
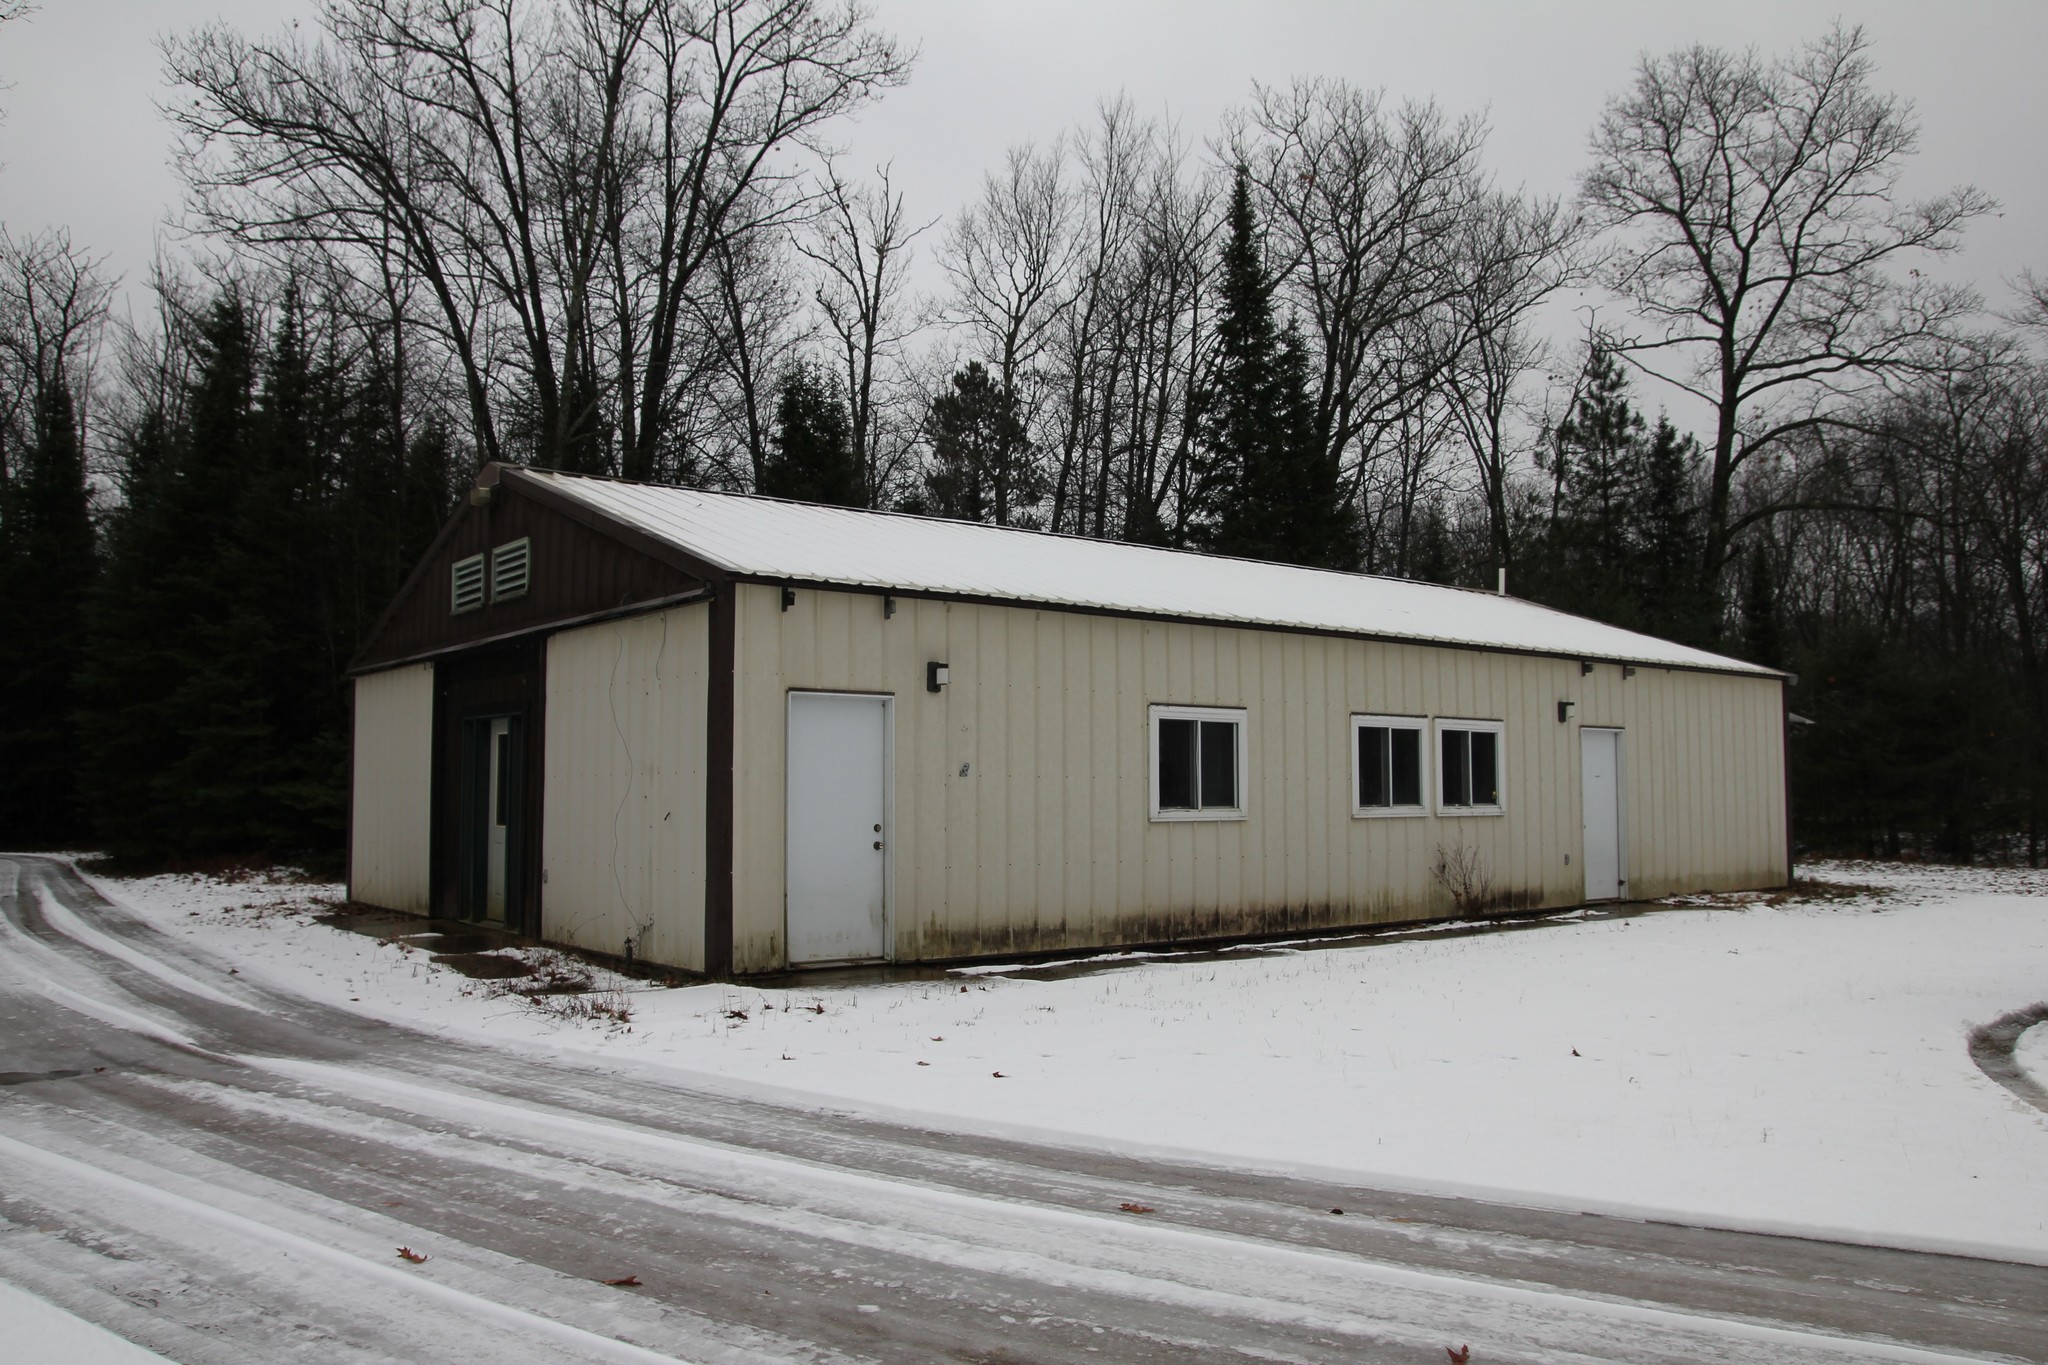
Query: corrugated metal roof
(767, 538)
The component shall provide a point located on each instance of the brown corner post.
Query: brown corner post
(1785, 761)
(348, 819)
(718, 802)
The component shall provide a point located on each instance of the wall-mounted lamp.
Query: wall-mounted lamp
(936, 676)
(1564, 711)
(1585, 667)
(788, 598)
(1628, 670)
(480, 496)
(888, 606)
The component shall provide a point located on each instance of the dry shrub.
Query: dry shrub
(1462, 873)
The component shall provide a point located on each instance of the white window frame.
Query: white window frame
(483, 585)
(1500, 761)
(1236, 715)
(1418, 724)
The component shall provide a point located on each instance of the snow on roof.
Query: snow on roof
(769, 538)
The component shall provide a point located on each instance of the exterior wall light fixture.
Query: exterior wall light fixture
(1564, 711)
(936, 676)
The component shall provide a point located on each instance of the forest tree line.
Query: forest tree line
(609, 236)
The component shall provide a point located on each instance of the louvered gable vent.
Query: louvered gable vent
(510, 566)
(468, 585)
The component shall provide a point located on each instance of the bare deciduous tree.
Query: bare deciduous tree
(1761, 225)
(1514, 255)
(53, 313)
(1010, 256)
(861, 247)
(1365, 207)
(560, 175)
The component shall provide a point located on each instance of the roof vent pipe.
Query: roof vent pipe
(1503, 580)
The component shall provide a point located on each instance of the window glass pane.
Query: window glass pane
(1405, 777)
(1372, 765)
(1485, 768)
(1456, 776)
(1176, 764)
(1219, 764)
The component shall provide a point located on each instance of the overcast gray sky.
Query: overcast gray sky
(83, 144)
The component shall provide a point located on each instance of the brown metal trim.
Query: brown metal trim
(1785, 760)
(1165, 618)
(348, 819)
(680, 599)
(718, 797)
(534, 791)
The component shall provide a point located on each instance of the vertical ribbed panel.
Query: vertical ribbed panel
(1046, 842)
(391, 812)
(623, 820)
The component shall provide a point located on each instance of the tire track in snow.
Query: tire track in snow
(518, 1323)
(1991, 1048)
(887, 1192)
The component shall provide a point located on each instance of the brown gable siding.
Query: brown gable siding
(576, 571)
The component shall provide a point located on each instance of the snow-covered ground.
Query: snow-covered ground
(2032, 1053)
(36, 1330)
(1799, 1066)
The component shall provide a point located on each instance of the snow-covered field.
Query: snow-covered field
(37, 1330)
(1798, 1066)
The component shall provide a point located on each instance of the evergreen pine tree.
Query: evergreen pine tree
(281, 652)
(982, 461)
(1275, 490)
(1623, 542)
(813, 459)
(168, 722)
(1762, 640)
(1677, 603)
(47, 565)
(1598, 443)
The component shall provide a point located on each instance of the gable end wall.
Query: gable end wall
(576, 572)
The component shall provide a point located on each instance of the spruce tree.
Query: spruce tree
(1275, 490)
(47, 565)
(1762, 639)
(1678, 603)
(982, 459)
(1598, 443)
(813, 459)
(170, 720)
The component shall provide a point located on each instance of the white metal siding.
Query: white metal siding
(622, 843)
(391, 810)
(1047, 841)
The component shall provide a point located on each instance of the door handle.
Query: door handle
(878, 843)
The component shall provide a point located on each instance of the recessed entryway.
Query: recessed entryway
(493, 795)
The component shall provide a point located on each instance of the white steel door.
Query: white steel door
(499, 800)
(1600, 764)
(838, 843)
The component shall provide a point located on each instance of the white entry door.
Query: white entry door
(838, 843)
(1600, 763)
